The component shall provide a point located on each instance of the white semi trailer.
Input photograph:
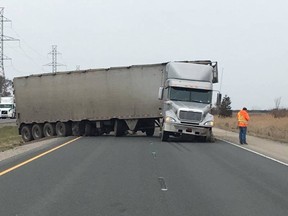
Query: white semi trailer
(175, 96)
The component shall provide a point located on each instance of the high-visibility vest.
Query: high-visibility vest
(243, 118)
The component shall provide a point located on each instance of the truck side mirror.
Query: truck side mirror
(219, 98)
(160, 93)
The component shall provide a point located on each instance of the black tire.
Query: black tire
(37, 131)
(151, 129)
(77, 128)
(49, 130)
(164, 136)
(26, 133)
(62, 129)
(150, 132)
(88, 129)
(68, 128)
(208, 138)
(119, 129)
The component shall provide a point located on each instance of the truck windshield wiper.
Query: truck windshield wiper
(197, 101)
(179, 100)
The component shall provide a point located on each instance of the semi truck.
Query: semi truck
(7, 107)
(174, 96)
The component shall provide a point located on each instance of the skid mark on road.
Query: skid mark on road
(37, 157)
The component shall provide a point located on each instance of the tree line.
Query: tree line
(6, 87)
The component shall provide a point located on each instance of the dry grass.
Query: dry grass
(261, 125)
(9, 138)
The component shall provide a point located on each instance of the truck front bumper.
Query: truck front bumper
(176, 128)
(5, 116)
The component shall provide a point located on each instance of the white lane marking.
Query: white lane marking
(257, 153)
(154, 155)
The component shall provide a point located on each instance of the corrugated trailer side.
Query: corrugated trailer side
(93, 96)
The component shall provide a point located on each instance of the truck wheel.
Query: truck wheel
(150, 131)
(88, 129)
(26, 133)
(77, 129)
(164, 136)
(61, 129)
(37, 131)
(49, 130)
(119, 128)
(209, 137)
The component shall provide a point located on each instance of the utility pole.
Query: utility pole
(2, 39)
(54, 62)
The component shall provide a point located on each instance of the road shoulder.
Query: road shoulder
(31, 146)
(274, 149)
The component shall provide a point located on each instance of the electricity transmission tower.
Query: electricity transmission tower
(54, 64)
(2, 39)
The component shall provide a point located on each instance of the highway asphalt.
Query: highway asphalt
(141, 176)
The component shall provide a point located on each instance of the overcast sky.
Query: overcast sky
(248, 39)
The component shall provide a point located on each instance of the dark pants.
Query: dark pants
(242, 134)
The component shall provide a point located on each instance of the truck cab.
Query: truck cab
(187, 99)
(7, 107)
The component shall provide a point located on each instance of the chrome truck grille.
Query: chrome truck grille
(190, 116)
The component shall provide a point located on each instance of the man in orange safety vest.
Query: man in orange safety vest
(243, 118)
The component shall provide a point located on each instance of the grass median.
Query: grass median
(9, 138)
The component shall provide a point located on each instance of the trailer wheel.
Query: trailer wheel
(77, 129)
(164, 136)
(150, 132)
(37, 131)
(88, 129)
(26, 133)
(49, 130)
(62, 129)
(151, 129)
(119, 129)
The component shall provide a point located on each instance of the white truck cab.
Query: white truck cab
(187, 99)
(7, 107)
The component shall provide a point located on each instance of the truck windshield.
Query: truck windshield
(190, 95)
(6, 105)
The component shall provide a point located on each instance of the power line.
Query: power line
(25, 42)
(25, 54)
(54, 64)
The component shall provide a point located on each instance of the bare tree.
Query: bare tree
(277, 102)
(6, 87)
(277, 112)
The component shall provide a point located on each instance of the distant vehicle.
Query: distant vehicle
(7, 107)
(175, 96)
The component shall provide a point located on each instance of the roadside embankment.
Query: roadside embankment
(9, 138)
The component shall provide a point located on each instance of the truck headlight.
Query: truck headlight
(169, 119)
(209, 123)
